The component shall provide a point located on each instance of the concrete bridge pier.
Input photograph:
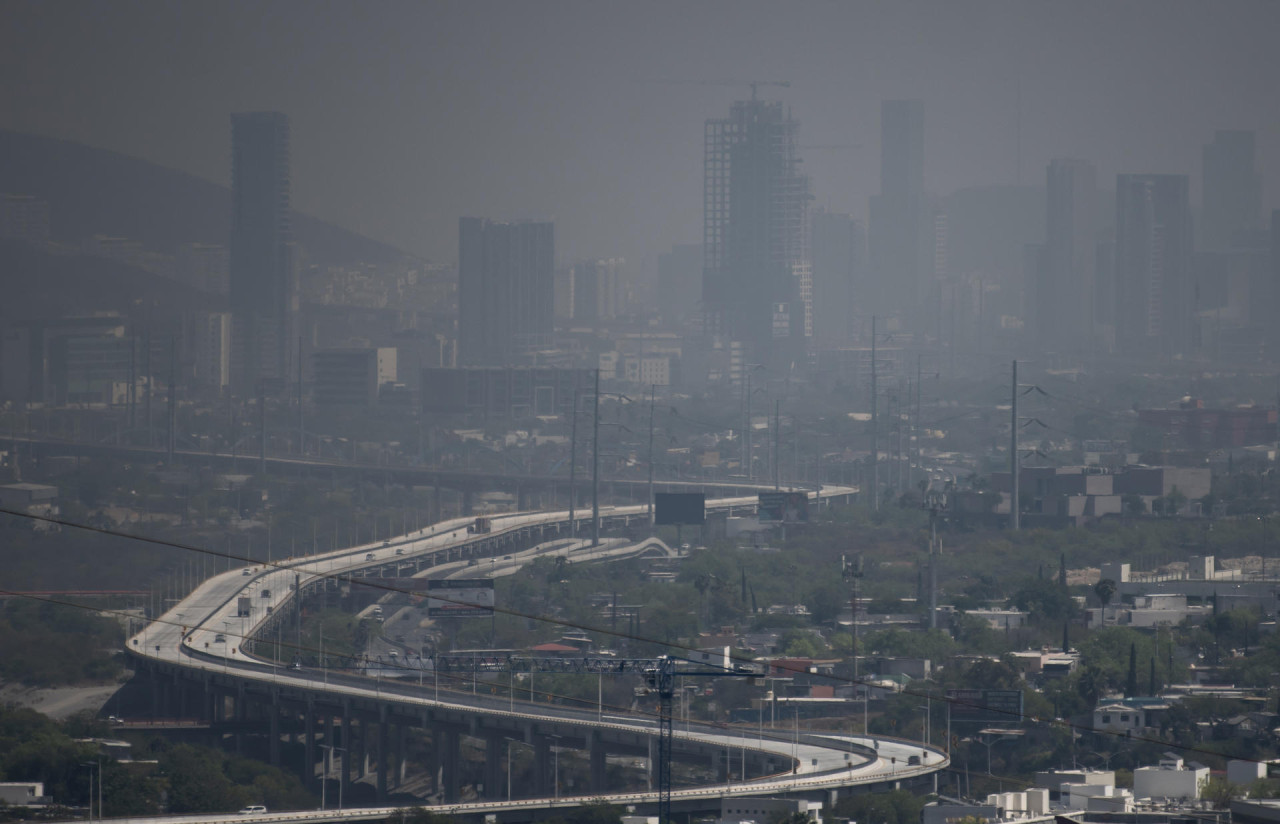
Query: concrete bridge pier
(494, 785)
(542, 766)
(449, 762)
(398, 759)
(384, 765)
(309, 743)
(597, 751)
(345, 777)
(273, 728)
(433, 758)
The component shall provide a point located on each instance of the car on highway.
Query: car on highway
(253, 809)
(370, 556)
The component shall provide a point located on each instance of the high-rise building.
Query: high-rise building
(596, 290)
(506, 290)
(900, 232)
(679, 283)
(262, 286)
(1063, 315)
(207, 346)
(1155, 304)
(837, 266)
(756, 278)
(1231, 191)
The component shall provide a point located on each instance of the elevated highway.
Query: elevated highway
(196, 658)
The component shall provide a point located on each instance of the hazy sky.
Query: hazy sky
(407, 115)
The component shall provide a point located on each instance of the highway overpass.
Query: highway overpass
(199, 670)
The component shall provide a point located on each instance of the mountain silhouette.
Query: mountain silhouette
(94, 191)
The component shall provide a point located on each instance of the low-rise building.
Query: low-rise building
(22, 793)
(1170, 779)
(1129, 714)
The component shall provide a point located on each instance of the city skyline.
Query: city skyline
(626, 185)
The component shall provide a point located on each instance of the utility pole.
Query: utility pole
(653, 389)
(595, 468)
(916, 429)
(262, 416)
(875, 423)
(1013, 451)
(777, 429)
(173, 399)
(302, 444)
(748, 461)
(851, 572)
(935, 552)
(573, 467)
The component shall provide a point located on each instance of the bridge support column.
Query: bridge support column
(598, 752)
(433, 758)
(345, 778)
(449, 759)
(273, 729)
(309, 742)
(362, 762)
(398, 761)
(494, 787)
(384, 762)
(542, 766)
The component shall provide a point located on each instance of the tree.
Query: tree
(1105, 589)
(1219, 791)
(1131, 684)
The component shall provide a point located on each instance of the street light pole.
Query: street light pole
(653, 388)
(573, 468)
(595, 467)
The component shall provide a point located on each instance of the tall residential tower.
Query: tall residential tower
(756, 278)
(900, 231)
(262, 285)
(506, 290)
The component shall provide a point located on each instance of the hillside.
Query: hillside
(36, 284)
(93, 191)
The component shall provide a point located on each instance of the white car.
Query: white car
(254, 809)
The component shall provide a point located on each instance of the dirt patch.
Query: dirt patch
(58, 702)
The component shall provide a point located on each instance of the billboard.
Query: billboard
(684, 508)
(784, 507)
(459, 598)
(985, 706)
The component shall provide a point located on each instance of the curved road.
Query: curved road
(202, 633)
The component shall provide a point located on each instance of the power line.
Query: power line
(1059, 723)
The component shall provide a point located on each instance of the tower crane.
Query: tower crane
(659, 678)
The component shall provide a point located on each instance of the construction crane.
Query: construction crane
(755, 84)
(659, 678)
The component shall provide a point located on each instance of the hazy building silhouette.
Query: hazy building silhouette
(595, 290)
(1154, 298)
(679, 282)
(506, 290)
(756, 278)
(1231, 190)
(262, 286)
(1063, 316)
(899, 233)
(838, 250)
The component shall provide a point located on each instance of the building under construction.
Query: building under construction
(756, 279)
